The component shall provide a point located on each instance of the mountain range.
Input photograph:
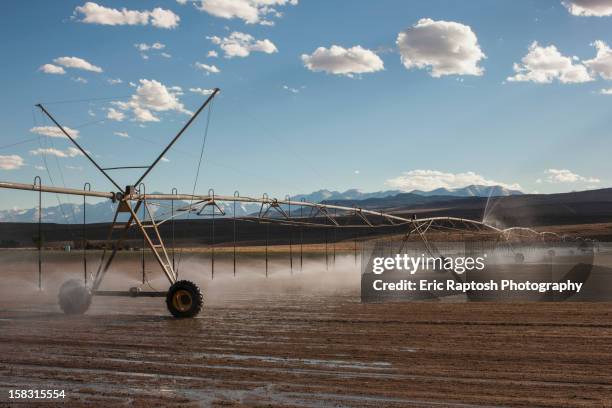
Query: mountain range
(354, 194)
(69, 213)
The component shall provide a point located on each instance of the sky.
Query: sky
(314, 94)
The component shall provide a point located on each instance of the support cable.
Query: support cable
(197, 175)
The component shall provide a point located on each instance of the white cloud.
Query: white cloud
(162, 18)
(39, 167)
(606, 91)
(52, 69)
(77, 63)
(544, 64)
(122, 134)
(445, 47)
(209, 69)
(165, 160)
(78, 168)
(70, 152)
(602, 63)
(80, 80)
(241, 45)
(201, 91)
(93, 13)
(114, 114)
(428, 180)
(212, 54)
(152, 96)
(341, 61)
(356, 172)
(53, 131)
(11, 162)
(147, 47)
(290, 89)
(177, 90)
(114, 81)
(250, 11)
(165, 55)
(566, 176)
(597, 8)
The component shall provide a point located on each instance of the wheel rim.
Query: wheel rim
(182, 300)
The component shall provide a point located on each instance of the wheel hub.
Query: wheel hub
(182, 300)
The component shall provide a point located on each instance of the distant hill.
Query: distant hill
(352, 194)
(527, 210)
(471, 191)
(582, 207)
(69, 213)
(396, 202)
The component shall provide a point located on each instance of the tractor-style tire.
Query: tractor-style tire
(184, 299)
(74, 297)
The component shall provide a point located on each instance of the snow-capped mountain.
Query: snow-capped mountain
(70, 213)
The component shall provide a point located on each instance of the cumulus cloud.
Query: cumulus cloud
(93, 13)
(602, 63)
(11, 162)
(144, 48)
(212, 54)
(164, 18)
(122, 134)
(52, 69)
(209, 69)
(152, 96)
(545, 64)
(596, 8)
(428, 180)
(250, 11)
(53, 131)
(290, 89)
(201, 91)
(80, 80)
(147, 47)
(342, 61)
(606, 91)
(445, 47)
(114, 114)
(77, 63)
(241, 45)
(114, 81)
(70, 152)
(566, 176)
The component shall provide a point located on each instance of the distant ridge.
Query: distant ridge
(103, 212)
(471, 191)
(354, 194)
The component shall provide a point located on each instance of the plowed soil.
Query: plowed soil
(267, 342)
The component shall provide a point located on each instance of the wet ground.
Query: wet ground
(303, 341)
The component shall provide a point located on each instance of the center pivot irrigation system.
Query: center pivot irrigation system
(184, 298)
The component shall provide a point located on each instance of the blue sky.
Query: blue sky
(291, 119)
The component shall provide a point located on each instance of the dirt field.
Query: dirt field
(301, 341)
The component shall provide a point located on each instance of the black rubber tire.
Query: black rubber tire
(74, 298)
(184, 299)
